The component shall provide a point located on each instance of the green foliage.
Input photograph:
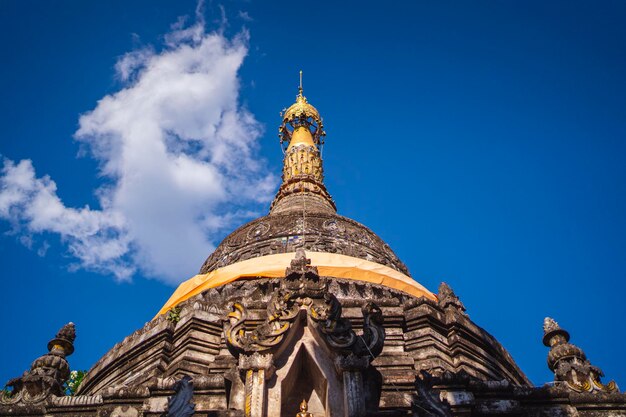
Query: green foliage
(72, 384)
(173, 314)
(6, 392)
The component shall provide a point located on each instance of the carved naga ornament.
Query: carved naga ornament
(303, 288)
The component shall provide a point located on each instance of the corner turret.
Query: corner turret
(569, 363)
(47, 373)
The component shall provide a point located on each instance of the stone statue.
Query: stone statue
(428, 403)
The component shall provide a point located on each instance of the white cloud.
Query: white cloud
(98, 239)
(245, 16)
(178, 151)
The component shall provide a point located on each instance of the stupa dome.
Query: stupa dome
(285, 232)
(303, 216)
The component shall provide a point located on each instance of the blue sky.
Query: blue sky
(484, 141)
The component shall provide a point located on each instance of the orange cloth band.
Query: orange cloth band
(273, 266)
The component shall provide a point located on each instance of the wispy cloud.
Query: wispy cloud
(178, 151)
(245, 16)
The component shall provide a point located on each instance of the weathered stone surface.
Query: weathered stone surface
(569, 363)
(318, 232)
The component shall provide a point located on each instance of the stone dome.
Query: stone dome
(316, 231)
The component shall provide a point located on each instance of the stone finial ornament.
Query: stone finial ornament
(448, 298)
(300, 267)
(47, 373)
(64, 340)
(569, 363)
(550, 326)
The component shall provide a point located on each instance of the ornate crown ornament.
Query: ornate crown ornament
(301, 113)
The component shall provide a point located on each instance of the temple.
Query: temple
(302, 313)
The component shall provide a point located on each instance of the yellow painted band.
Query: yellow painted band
(273, 266)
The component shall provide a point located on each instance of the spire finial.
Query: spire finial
(301, 136)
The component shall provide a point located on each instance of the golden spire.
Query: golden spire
(301, 113)
(302, 134)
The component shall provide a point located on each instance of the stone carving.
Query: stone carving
(447, 298)
(428, 402)
(256, 370)
(301, 284)
(569, 363)
(322, 232)
(126, 391)
(258, 231)
(303, 287)
(78, 400)
(256, 362)
(180, 404)
(47, 374)
(373, 331)
(419, 334)
(338, 331)
(270, 333)
(352, 363)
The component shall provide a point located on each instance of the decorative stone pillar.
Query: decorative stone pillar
(256, 369)
(354, 352)
(47, 374)
(569, 363)
(351, 368)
